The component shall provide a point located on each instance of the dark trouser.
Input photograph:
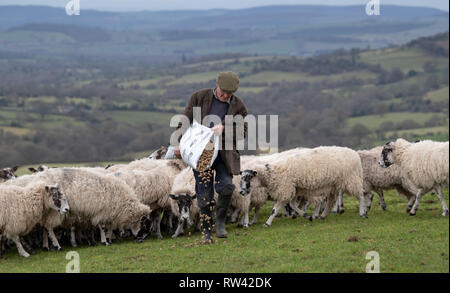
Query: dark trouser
(223, 184)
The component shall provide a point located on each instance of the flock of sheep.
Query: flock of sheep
(149, 195)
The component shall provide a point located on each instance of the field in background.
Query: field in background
(339, 243)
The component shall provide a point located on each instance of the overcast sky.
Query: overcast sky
(135, 5)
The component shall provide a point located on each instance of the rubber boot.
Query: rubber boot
(221, 214)
(206, 222)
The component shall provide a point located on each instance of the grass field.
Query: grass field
(405, 59)
(337, 244)
(373, 122)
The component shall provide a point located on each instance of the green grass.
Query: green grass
(404, 243)
(373, 122)
(16, 130)
(439, 95)
(405, 59)
(138, 117)
(419, 131)
(278, 76)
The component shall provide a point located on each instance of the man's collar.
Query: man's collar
(215, 97)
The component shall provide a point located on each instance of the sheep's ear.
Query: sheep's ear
(32, 170)
(173, 196)
(14, 169)
(47, 188)
(240, 172)
(57, 185)
(2, 174)
(194, 196)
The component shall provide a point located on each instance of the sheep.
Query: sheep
(21, 208)
(182, 188)
(8, 173)
(259, 194)
(377, 178)
(310, 171)
(240, 203)
(425, 165)
(95, 199)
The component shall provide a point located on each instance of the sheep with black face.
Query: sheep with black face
(425, 165)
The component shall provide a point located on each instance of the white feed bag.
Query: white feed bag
(193, 143)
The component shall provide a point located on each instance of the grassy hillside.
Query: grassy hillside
(357, 98)
(338, 244)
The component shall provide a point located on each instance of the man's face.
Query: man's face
(221, 95)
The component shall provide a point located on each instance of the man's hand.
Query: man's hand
(176, 152)
(218, 129)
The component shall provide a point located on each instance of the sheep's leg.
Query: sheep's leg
(171, 222)
(316, 211)
(244, 220)
(326, 209)
(22, 251)
(382, 202)
(45, 239)
(235, 215)
(102, 235)
(255, 216)
(441, 198)
(275, 210)
(369, 200)
(335, 207)
(300, 212)
(341, 202)
(362, 206)
(26, 244)
(158, 225)
(73, 241)
(415, 207)
(179, 229)
(109, 234)
(53, 238)
(91, 237)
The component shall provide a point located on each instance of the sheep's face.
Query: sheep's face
(159, 153)
(387, 156)
(38, 169)
(141, 229)
(184, 203)
(57, 199)
(245, 185)
(8, 173)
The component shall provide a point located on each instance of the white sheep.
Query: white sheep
(21, 208)
(333, 169)
(424, 163)
(377, 178)
(258, 194)
(95, 199)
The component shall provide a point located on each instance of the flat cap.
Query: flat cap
(228, 81)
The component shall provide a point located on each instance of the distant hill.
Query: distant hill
(301, 30)
(258, 17)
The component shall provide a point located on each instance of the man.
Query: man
(219, 101)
